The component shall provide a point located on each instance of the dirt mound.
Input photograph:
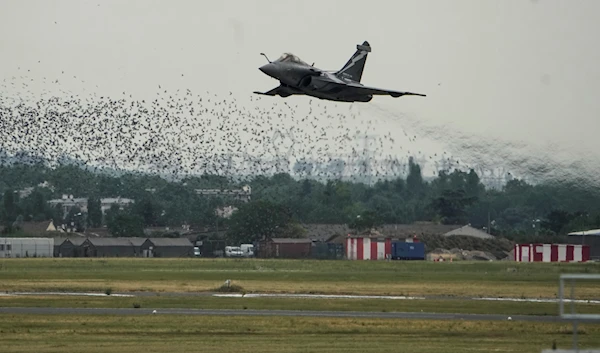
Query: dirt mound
(466, 247)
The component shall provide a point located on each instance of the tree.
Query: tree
(451, 205)
(75, 219)
(147, 209)
(258, 220)
(473, 186)
(10, 210)
(94, 218)
(293, 230)
(124, 223)
(365, 221)
(414, 180)
(557, 220)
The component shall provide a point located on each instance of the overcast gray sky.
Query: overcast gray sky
(513, 70)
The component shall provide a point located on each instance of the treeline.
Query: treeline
(452, 198)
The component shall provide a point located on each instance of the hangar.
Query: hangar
(589, 237)
(26, 247)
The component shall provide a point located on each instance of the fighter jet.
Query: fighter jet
(298, 78)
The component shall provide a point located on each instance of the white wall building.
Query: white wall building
(106, 203)
(68, 201)
(26, 247)
(244, 194)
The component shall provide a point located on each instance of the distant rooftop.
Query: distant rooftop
(592, 232)
(243, 193)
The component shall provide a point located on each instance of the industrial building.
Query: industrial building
(167, 247)
(590, 237)
(377, 248)
(287, 248)
(122, 247)
(26, 247)
(68, 247)
(364, 248)
(111, 247)
(551, 253)
(327, 251)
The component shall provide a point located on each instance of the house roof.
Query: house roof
(77, 241)
(291, 240)
(416, 229)
(74, 240)
(111, 241)
(326, 232)
(470, 232)
(34, 228)
(136, 241)
(97, 232)
(170, 241)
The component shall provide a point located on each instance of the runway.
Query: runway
(289, 313)
(303, 296)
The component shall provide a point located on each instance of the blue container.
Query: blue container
(408, 251)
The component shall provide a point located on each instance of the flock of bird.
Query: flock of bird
(180, 133)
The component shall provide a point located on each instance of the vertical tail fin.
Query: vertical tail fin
(354, 67)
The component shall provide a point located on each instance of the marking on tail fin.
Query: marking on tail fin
(355, 72)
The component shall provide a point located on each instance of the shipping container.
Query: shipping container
(287, 248)
(327, 251)
(212, 247)
(408, 251)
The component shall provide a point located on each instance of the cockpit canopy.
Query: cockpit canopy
(289, 57)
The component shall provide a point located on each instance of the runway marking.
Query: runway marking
(316, 296)
(288, 313)
(333, 296)
(69, 294)
(312, 296)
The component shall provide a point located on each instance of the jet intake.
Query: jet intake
(305, 81)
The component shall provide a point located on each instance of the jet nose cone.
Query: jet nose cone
(268, 69)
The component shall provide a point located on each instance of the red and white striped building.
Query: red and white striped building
(551, 253)
(368, 248)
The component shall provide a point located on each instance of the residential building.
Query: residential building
(67, 202)
(242, 194)
(107, 203)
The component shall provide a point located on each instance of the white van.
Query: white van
(247, 250)
(233, 251)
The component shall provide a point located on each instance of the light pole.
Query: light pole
(533, 224)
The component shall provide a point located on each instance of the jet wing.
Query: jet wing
(279, 90)
(360, 89)
(275, 91)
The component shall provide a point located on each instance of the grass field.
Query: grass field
(468, 279)
(450, 282)
(164, 333)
